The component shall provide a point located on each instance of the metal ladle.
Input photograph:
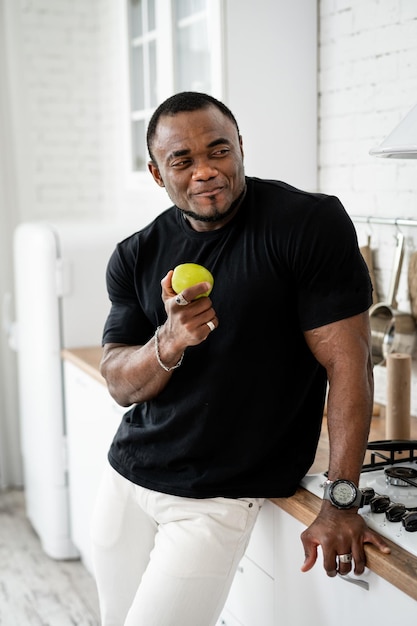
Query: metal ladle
(392, 330)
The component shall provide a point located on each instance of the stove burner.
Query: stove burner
(401, 476)
(392, 451)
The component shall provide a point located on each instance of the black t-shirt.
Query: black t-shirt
(242, 415)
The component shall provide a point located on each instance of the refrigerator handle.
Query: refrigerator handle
(8, 324)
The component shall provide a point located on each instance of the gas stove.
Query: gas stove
(389, 483)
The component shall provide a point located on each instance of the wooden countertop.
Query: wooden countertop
(398, 568)
(87, 359)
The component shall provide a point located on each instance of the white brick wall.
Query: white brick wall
(63, 60)
(367, 83)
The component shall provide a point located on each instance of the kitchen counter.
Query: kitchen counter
(399, 568)
(87, 359)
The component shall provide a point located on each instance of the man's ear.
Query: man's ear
(154, 170)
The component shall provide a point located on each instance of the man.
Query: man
(227, 391)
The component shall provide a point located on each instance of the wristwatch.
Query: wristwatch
(343, 494)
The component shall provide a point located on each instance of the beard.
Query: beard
(217, 216)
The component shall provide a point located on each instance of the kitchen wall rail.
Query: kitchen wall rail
(390, 221)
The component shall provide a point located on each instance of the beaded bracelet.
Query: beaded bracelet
(158, 356)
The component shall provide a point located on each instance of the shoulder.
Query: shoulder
(281, 191)
(297, 209)
(131, 244)
(126, 253)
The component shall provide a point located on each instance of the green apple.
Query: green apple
(189, 274)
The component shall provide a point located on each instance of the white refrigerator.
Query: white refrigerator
(60, 302)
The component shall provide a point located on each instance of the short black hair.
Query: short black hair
(184, 101)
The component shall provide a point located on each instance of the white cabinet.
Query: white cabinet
(315, 599)
(270, 590)
(92, 418)
(261, 545)
(251, 598)
(227, 619)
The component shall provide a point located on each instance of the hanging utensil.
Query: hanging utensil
(392, 330)
(366, 252)
(412, 283)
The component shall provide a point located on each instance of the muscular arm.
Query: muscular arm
(133, 373)
(343, 348)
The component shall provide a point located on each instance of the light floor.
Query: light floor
(36, 590)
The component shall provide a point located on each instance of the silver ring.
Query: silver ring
(181, 300)
(211, 325)
(345, 558)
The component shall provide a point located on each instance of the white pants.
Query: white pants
(164, 560)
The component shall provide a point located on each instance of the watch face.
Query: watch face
(343, 493)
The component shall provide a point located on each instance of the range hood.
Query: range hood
(401, 143)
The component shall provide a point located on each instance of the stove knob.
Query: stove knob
(379, 504)
(395, 512)
(410, 521)
(368, 494)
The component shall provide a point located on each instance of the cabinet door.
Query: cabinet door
(301, 598)
(92, 418)
(227, 619)
(261, 545)
(251, 598)
(315, 599)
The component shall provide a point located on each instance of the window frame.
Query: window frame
(165, 70)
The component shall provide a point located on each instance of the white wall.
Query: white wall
(367, 84)
(271, 85)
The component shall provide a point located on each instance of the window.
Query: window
(174, 45)
(143, 74)
(192, 52)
